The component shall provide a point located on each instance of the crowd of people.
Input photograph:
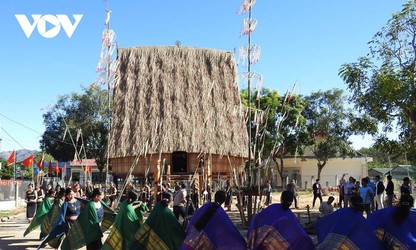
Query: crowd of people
(74, 217)
(389, 223)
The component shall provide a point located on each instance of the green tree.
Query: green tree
(328, 125)
(383, 83)
(264, 107)
(290, 136)
(277, 126)
(6, 172)
(77, 121)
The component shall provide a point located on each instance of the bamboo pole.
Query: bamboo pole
(156, 178)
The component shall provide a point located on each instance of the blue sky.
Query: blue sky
(302, 41)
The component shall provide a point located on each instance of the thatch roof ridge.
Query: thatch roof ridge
(173, 47)
(177, 99)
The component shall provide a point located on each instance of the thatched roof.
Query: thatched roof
(177, 99)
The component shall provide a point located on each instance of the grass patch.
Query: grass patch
(12, 212)
(4, 213)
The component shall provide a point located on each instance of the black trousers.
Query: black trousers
(314, 199)
(179, 210)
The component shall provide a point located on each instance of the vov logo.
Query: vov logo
(40, 21)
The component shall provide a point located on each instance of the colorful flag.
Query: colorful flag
(11, 159)
(28, 161)
(49, 166)
(63, 171)
(40, 163)
(57, 168)
(90, 169)
(39, 216)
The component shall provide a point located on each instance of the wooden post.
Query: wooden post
(168, 173)
(209, 171)
(197, 187)
(156, 178)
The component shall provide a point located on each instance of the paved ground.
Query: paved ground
(11, 231)
(11, 234)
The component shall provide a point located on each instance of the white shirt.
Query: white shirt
(347, 187)
(325, 209)
(178, 197)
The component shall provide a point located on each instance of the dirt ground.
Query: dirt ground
(305, 217)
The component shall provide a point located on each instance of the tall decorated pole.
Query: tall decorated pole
(248, 55)
(106, 74)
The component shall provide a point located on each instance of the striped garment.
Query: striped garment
(41, 213)
(126, 224)
(82, 231)
(86, 227)
(346, 229)
(218, 233)
(160, 231)
(391, 234)
(50, 218)
(277, 228)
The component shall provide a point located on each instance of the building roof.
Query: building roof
(403, 168)
(177, 99)
(382, 171)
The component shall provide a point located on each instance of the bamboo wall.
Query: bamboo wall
(219, 164)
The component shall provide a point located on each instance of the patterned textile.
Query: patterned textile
(197, 240)
(109, 217)
(277, 228)
(126, 224)
(272, 239)
(86, 228)
(83, 231)
(218, 233)
(337, 241)
(346, 228)
(39, 216)
(389, 241)
(50, 219)
(115, 240)
(60, 227)
(391, 235)
(148, 239)
(160, 231)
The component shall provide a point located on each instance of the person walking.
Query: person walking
(366, 192)
(389, 191)
(379, 193)
(40, 196)
(179, 201)
(30, 199)
(268, 190)
(112, 195)
(405, 187)
(291, 187)
(348, 188)
(316, 192)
